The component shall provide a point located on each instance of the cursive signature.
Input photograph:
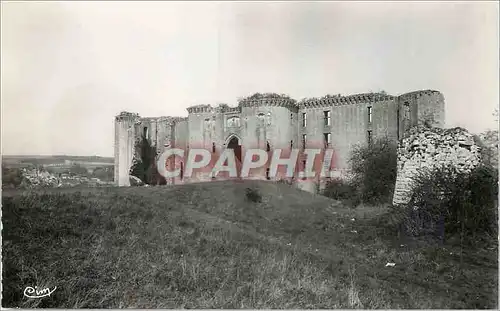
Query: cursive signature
(31, 292)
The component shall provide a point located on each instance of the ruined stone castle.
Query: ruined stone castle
(271, 121)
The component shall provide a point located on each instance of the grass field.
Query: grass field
(207, 246)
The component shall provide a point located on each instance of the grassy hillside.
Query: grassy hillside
(208, 246)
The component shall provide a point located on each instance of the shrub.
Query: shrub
(104, 173)
(342, 191)
(78, 170)
(464, 204)
(374, 169)
(253, 195)
(11, 177)
(488, 142)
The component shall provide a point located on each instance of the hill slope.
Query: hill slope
(208, 246)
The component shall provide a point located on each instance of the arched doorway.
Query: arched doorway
(235, 144)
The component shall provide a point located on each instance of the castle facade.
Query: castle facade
(271, 121)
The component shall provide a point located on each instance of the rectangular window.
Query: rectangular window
(304, 138)
(397, 119)
(304, 119)
(327, 118)
(304, 169)
(369, 137)
(213, 147)
(291, 144)
(182, 171)
(407, 111)
(369, 114)
(327, 139)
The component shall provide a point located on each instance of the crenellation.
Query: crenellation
(344, 100)
(418, 94)
(126, 116)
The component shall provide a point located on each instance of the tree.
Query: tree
(11, 177)
(144, 166)
(78, 170)
(104, 173)
(374, 168)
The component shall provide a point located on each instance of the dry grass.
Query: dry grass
(206, 246)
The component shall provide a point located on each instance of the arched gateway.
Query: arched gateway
(234, 142)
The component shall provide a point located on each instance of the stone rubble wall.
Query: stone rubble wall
(424, 148)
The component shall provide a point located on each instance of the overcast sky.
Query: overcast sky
(69, 67)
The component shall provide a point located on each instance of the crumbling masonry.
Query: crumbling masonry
(426, 148)
(271, 121)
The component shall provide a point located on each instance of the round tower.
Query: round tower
(270, 123)
(202, 135)
(124, 146)
(425, 107)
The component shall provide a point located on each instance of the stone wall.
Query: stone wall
(424, 148)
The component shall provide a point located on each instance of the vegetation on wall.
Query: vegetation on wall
(144, 166)
(258, 96)
(308, 99)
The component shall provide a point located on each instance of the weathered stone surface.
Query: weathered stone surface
(425, 148)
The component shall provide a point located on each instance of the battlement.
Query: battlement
(127, 116)
(338, 100)
(269, 99)
(224, 108)
(201, 109)
(221, 108)
(179, 119)
(417, 94)
(130, 116)
(273, 102)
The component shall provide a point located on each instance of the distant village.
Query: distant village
(56, 172)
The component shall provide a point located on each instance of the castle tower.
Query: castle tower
(269, 123)
(124, 146)
(420, 107)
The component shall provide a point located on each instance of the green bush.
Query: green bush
(253, 195)
(342, 191)
(104, 173)
(78, 170)
(374, 168)
(11, 177)
(457, 204)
